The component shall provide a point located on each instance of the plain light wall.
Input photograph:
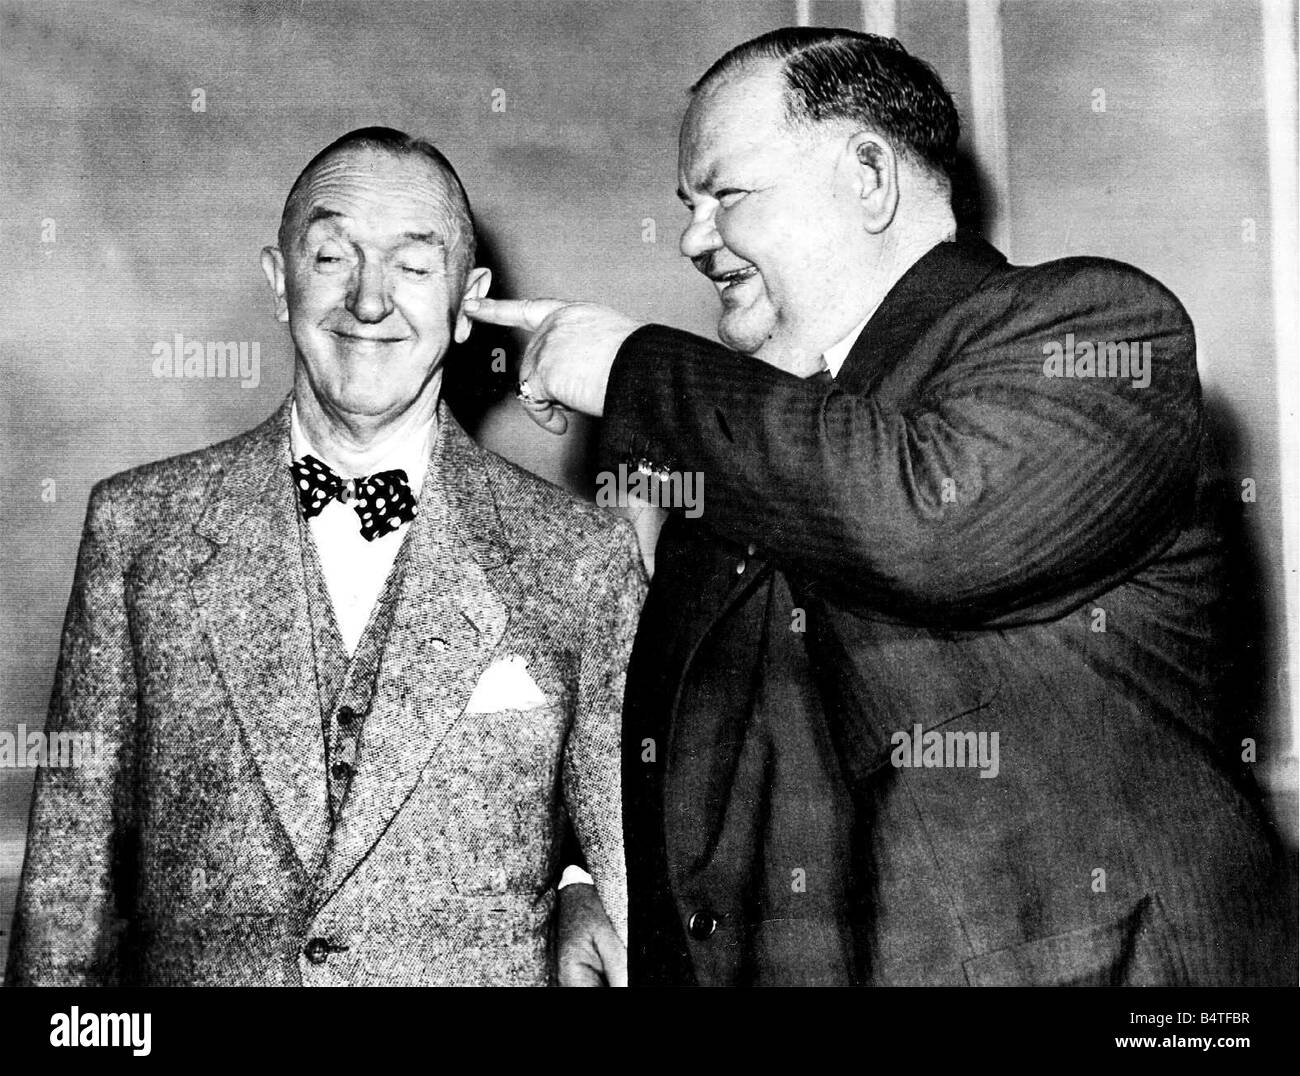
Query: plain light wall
(159, 212)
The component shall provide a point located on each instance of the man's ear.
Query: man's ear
(273, 268)
(476, 287)
(875, 171)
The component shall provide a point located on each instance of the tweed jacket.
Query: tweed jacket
(936, 677)
(199, 848)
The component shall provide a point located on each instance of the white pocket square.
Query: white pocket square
(505, 686)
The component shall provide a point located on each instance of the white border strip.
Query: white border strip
(880, 17)
(1280, 110)
(989, 115)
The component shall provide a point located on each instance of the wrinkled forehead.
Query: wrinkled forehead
(377, 195)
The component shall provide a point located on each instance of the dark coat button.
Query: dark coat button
(701, 925)
(340, 771)
(347, 715)
(317, 951)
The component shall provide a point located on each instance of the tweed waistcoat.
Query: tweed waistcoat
(344, 685)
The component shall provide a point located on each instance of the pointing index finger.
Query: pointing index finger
(516, 313)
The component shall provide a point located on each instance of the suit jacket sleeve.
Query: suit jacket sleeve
(592, 757)
(66, 927)
(984, 493)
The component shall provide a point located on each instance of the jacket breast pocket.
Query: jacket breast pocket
(1135, 950)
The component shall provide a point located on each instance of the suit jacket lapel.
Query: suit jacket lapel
(252, 602)
(940, 279)
(446, 627)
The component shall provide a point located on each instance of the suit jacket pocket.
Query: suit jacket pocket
(497, 939)
(1134, 950)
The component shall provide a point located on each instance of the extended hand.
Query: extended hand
(567, 364)
(589, 952)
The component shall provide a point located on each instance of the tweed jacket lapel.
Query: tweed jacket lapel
(252, 602)
(445, 630)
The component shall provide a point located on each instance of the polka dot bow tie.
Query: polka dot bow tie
(382, 501)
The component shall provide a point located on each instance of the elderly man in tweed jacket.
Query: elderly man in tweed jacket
(354, 675)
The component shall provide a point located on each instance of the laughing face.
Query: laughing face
(370, 275)
(775, 220)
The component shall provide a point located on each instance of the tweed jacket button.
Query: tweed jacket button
(340, 771)
(740, 566)
(346, 716)
(701, 925)
(317, 951)
(751, 549)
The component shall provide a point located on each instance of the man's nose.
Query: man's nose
(700, 237)
(368, 299)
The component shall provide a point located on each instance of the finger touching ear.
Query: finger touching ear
(476, 287)
(273, 270)
(515, 313)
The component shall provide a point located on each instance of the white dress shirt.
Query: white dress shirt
(356, 570)
(835, 355)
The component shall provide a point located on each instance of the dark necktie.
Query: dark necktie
(382, 501)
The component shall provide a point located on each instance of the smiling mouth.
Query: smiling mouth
(369, 339)
(731, 279)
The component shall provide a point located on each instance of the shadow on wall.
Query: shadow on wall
(479, 381)
(1251, 651)
(1252, 644)
(970, 190)
(471, 384)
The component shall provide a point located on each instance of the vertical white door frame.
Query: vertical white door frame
(880, 17)
(989, 116)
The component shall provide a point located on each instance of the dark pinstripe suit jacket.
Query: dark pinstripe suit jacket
(937, 541)
(199, 850)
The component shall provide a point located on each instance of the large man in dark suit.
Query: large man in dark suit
(929, 692)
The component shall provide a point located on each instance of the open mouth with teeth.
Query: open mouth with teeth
(736, 276)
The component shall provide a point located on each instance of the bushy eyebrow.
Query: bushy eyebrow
(319, 213)
(707, 183)
(433, 239)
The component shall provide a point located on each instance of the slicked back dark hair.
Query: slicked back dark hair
(401, 144)
(865, 79)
